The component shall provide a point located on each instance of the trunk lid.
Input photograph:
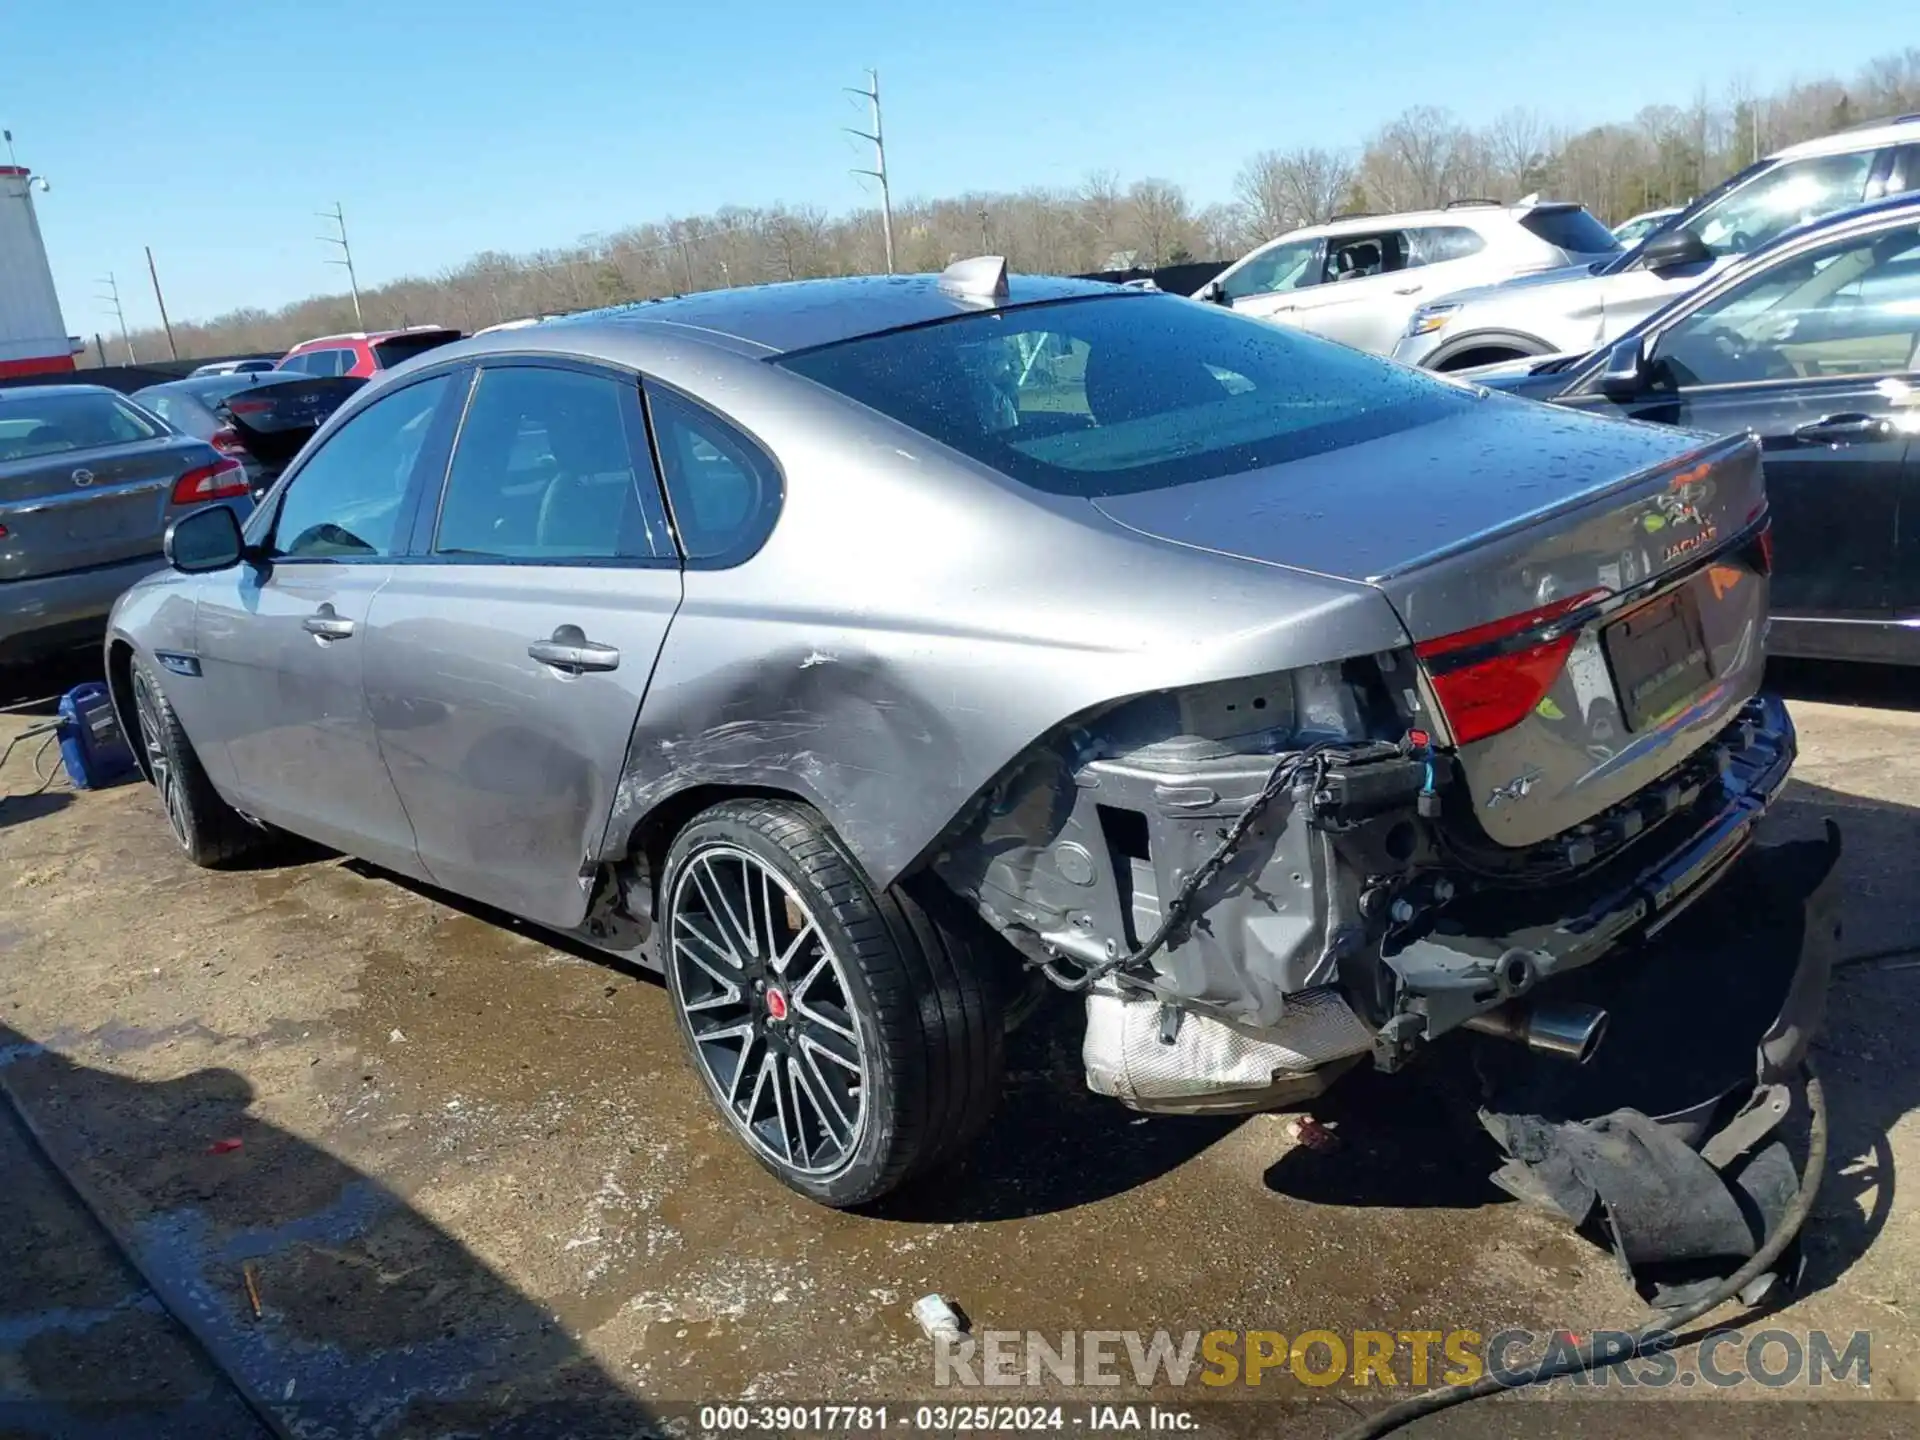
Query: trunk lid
(75, 509)
(273, 421)
(1510, 509)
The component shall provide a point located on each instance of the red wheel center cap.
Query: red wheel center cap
(776, 1004)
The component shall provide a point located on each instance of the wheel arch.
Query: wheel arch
(120, 690)
(1454, 353)
(648, 841)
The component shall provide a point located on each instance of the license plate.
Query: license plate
(1658, 655)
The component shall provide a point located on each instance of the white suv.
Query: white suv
(1359, 278)
(1584, 309)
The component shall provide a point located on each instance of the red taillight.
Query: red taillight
(248, 407)
(1483, 697)
(220, 481)
(1765, 548)
(227, 441)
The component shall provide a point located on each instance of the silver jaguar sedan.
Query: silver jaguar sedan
(866, 653)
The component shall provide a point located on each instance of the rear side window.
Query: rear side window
(543, 469)
(724, 489)
(184, 412)
(1571, 228)
(346, 500)
(1437, 244)
(50, 423)
(1112, 396)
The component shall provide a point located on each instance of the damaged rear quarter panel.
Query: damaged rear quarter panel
(915, 621)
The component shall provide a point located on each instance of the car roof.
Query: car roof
(801, 314)
(1894, 130)
(200, 384)
(371, 337)
(1460, 213)
(21, 392)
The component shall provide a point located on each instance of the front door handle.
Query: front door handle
(327, 625)
(1409, 290)
(570, 650)
(1844, 429)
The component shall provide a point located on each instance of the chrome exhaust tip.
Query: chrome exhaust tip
(1572, 1032)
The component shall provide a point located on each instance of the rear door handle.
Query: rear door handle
(1409, 289)
(1844, 429)
(327, 625)
(570, 650)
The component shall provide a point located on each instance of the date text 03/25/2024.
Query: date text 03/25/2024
(938, 1418)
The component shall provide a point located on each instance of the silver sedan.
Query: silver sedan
(866, 653)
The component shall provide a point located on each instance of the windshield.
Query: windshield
(48, 423)
(389, 353)
(1277, 268)
(1773, 197)
(1112, 396)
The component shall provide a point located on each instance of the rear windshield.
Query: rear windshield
(1110, 396)
(1571, 228)
(47, 424)
(180, 408)
(389, 353)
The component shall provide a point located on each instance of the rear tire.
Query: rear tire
(211, 831)
(852, 1040)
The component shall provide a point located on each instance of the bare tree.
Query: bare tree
(1414, 161)
(1283, 190)
(1159, 218)
(1516, 145)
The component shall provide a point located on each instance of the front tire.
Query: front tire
(211, 831)
(852, 1040)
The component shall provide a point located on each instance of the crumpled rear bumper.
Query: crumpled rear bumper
(1501, 944)
(1668, 1143)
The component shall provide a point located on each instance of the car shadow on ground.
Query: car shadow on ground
(329, 1301)
(1051, 1145)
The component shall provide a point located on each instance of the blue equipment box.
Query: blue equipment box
(92, 745)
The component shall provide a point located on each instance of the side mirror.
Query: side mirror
(1673, 248)
(1626, 376)
(206, 540)
(1214, 293)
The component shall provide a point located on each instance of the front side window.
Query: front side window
(1291, 266)
(1773, 202)
(1116, 395)
(347, 500)
(724, 488)
(543, 469)
(1852, 308)
(51, 422)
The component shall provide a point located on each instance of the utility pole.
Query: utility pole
(161, 301)
(879, 171)
(112, 297)
(339, 218)
(985, 243)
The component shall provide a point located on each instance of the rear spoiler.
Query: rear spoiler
(274, 421)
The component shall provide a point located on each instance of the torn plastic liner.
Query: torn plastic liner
(1666, 1144)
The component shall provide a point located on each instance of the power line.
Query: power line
(879, 171)
(112, 297)
(339, 218)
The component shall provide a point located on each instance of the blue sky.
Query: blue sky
(213, 131)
